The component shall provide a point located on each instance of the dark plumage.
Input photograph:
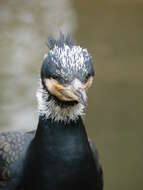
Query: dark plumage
(58, 156)
(13, 149)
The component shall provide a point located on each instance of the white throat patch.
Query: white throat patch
(50, 109)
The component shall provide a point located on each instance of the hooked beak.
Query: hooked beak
(82, 96)
(76, 91)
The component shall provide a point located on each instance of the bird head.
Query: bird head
(66, 75)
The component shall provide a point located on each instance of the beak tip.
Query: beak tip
(84, 102)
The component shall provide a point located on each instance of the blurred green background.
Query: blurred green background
(112, 31)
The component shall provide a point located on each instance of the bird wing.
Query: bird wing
(13, 146)
(97, 163)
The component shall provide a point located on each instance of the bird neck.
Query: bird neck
(60, 138)
(59, 157)
(61, 134)
(50, 108)
(48, 125)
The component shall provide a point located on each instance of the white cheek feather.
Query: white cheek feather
(50, 109)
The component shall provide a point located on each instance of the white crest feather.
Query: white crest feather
(69, 60)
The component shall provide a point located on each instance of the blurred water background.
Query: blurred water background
(113, 33)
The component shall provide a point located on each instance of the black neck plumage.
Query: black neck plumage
(59, 157)
(46, 125)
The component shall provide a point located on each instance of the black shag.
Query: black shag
(58, 156)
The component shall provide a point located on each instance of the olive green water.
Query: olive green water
(113, 33)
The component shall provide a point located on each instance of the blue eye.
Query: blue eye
(87, 77)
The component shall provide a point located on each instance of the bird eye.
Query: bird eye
(88, 83)
(87, 77)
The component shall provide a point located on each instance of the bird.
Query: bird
(57, 155)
